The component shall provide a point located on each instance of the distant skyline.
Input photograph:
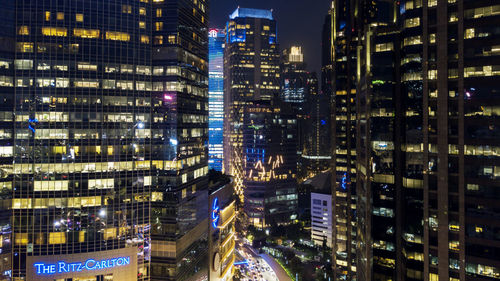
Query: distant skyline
(299, 22)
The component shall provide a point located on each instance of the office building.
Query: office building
(180, 83)
(321, 209)
(293, 77)
(294, 90)
(339, 78)
(315, 155)
(270, 163)
(103, 140)
(299, 89)
(251, 72)
(221, 242)
(216, 38)
(449, 73)
(379, 178)
(426, 156)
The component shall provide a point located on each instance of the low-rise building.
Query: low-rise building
(221, 229)
(321, 210)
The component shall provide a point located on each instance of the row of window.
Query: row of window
(102, 167)
(84, 33)
(25, 64)
(106, 84)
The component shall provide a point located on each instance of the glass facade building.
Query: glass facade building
(299, 89)
(315, 154)
(425, 140)
(251, 72)
(180, 83)
(216, 39)
(339, 45)
(270, 163)
(104, 127)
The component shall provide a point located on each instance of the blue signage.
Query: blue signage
(32, 123)
(215, 213)
(88, 265)
(344, 181)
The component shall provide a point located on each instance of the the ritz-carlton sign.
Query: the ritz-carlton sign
(88, 265)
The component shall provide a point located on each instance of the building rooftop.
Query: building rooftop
(252, 13)
(321, 183)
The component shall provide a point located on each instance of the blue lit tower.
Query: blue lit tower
(216, 39)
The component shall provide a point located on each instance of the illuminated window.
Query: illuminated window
(482, 12)
(86, 33)
(158, 1)
(57, 237)
(171, 39)
(142, 24)
(384, 47)
(79, 17)
(25, 47)
(60, 16)
(145, 39)
(21, 238)
(432, 74)
(55, 31)
(413, 40)
(127, 9)
(109, 233)
(23, 64)
(86, 83)
(61, 67)
(158, 40)
(265, 27)
(156, 196)
(23, 30)
(51, 185)
(158, 13)
(453, 17)
(432, 3)
(412, 22)
(47, 16)
(454, 245)
(142, 11)
(159, 26)
(117, 36)
(127, 68)
(87, 66)
(469, 33)
(432, 38)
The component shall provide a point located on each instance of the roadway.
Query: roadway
(260, 267)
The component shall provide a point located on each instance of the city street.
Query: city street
(259, 267)
(279, 271)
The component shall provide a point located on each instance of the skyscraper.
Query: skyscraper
(425, 131)
(103, 140)
(216, 38)
(293, 77)
(315, 154)
(180, 87)
(270, 163)
(252, 72)
(339, 77)
(294, 91)
(379, 178)
(449, 75)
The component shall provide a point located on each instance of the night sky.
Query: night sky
(299, 22)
